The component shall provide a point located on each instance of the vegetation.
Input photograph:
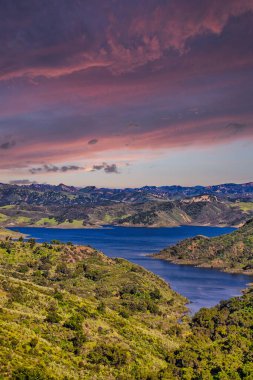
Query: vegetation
(5, 233)
(232, 252)
(220, 345)
(70, 312)
(245, 206)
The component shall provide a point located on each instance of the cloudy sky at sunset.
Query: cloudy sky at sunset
(122, 93)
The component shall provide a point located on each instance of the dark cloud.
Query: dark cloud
(7, 145)
(22, 182)
(43, 38)
(93, 142)
(55, 169)
(107, 168)
(146, 75)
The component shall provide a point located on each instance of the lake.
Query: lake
(203, 287)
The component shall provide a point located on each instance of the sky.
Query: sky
(118, 93)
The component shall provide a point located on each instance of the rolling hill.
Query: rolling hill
(232, 252)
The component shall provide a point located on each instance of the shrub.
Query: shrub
(101, 307)
(74, 322)
(53, 317)
(24, 373)
(123, 313)
(78, 340)
(56, 242)
(155, 294)
(109, 354)
(31, 242)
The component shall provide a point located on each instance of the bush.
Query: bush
(101, 307)
(109, 354)
(23, 373)
(123, 313)
(31, 242)
(74, 322)
(56, 242)
(93, 275)
(53, 317)
(78, 340)
(155, 294)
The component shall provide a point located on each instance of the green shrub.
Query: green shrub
(53, 317)
(24, 373)
(109, 354)
(74, 322)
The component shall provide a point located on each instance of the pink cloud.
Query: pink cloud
(156, 75)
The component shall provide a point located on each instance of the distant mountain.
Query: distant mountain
(232, 252)
(69, 206)
(42, 194)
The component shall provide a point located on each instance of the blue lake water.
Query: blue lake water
(203, 287)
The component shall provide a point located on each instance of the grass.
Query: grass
(3, 218)
(46, 222)
(245, 206)
(72, 224)
(22, 220)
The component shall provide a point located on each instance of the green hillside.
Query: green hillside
(70, 312)
(220, 346)
(232, 252)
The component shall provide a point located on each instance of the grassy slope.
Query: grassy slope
(232, 252)
(72, 313)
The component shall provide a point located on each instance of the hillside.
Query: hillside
(70, 312)
(232, 252)
(196, 210)
(219, 346)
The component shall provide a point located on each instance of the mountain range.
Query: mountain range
(45, 194)
(71, 207)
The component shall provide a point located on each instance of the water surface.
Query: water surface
(203, 287)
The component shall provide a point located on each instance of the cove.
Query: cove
(203, 287)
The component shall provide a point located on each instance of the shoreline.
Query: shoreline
(120, 225)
